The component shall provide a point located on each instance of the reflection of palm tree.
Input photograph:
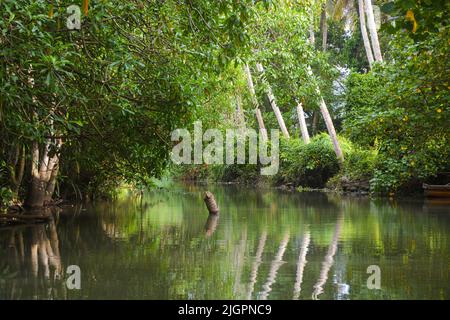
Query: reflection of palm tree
(239, 259)
(328, 261)
(301, 264)
(274, 266)
(256, 263)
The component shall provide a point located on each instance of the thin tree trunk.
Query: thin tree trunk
(323, 107)
(315, 120)
(259, 118)
(51, 184)
(17, 169)
(331, 131)
(324, 27)
(329, 124)
(362, 22)
(373, 31)
(275, 108)
(312, 38)
(302, 122)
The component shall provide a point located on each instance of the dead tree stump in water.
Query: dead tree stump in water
(210, 202)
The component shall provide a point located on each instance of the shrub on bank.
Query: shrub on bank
(309, 165)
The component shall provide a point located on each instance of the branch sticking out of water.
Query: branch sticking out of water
(210, 202)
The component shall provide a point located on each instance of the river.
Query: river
(264, 244)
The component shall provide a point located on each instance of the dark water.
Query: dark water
(265, 244)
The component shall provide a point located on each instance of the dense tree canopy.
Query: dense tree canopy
(91, 108)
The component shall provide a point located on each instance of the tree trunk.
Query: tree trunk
(362, 21)
(373, 31)
(275, 108)
(259, 118)
(44, 171)
(315, 120)
(17, 169)
(302, 122)
(51, 184)
(324, 27)
(331, 131)
(323, 107)
(37, 190)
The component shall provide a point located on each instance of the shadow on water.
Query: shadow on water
(266, 244)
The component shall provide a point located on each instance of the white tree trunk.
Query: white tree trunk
(331, 131)
(362, 22)
(275, 108)
(373, 30)
(324, 27)
(302, 122)
(259, 118)
(329, 124)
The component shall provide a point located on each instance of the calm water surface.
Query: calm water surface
(265, 244)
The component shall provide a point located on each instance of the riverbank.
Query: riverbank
(314, 166)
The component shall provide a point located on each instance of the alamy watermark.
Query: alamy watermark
(374, 280)
(73, 21)
(73, 281)
(230, 149)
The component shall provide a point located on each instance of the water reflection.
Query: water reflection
(266, 244)
(328, 261)
(301, 263)
(211, 224)
(33, 262)
(274, 266)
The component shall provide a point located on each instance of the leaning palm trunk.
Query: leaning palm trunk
(373, 30)
(302, 122)
(324, 110)
(275, 108)
(324, 27)
(259, 118)
(362, 22)
(331, 131)
(329, 124)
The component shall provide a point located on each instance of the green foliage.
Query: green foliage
(360, 163)
(401, 108)
(309, 165)
(417, 19)
(346, 47)
(115, 89)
